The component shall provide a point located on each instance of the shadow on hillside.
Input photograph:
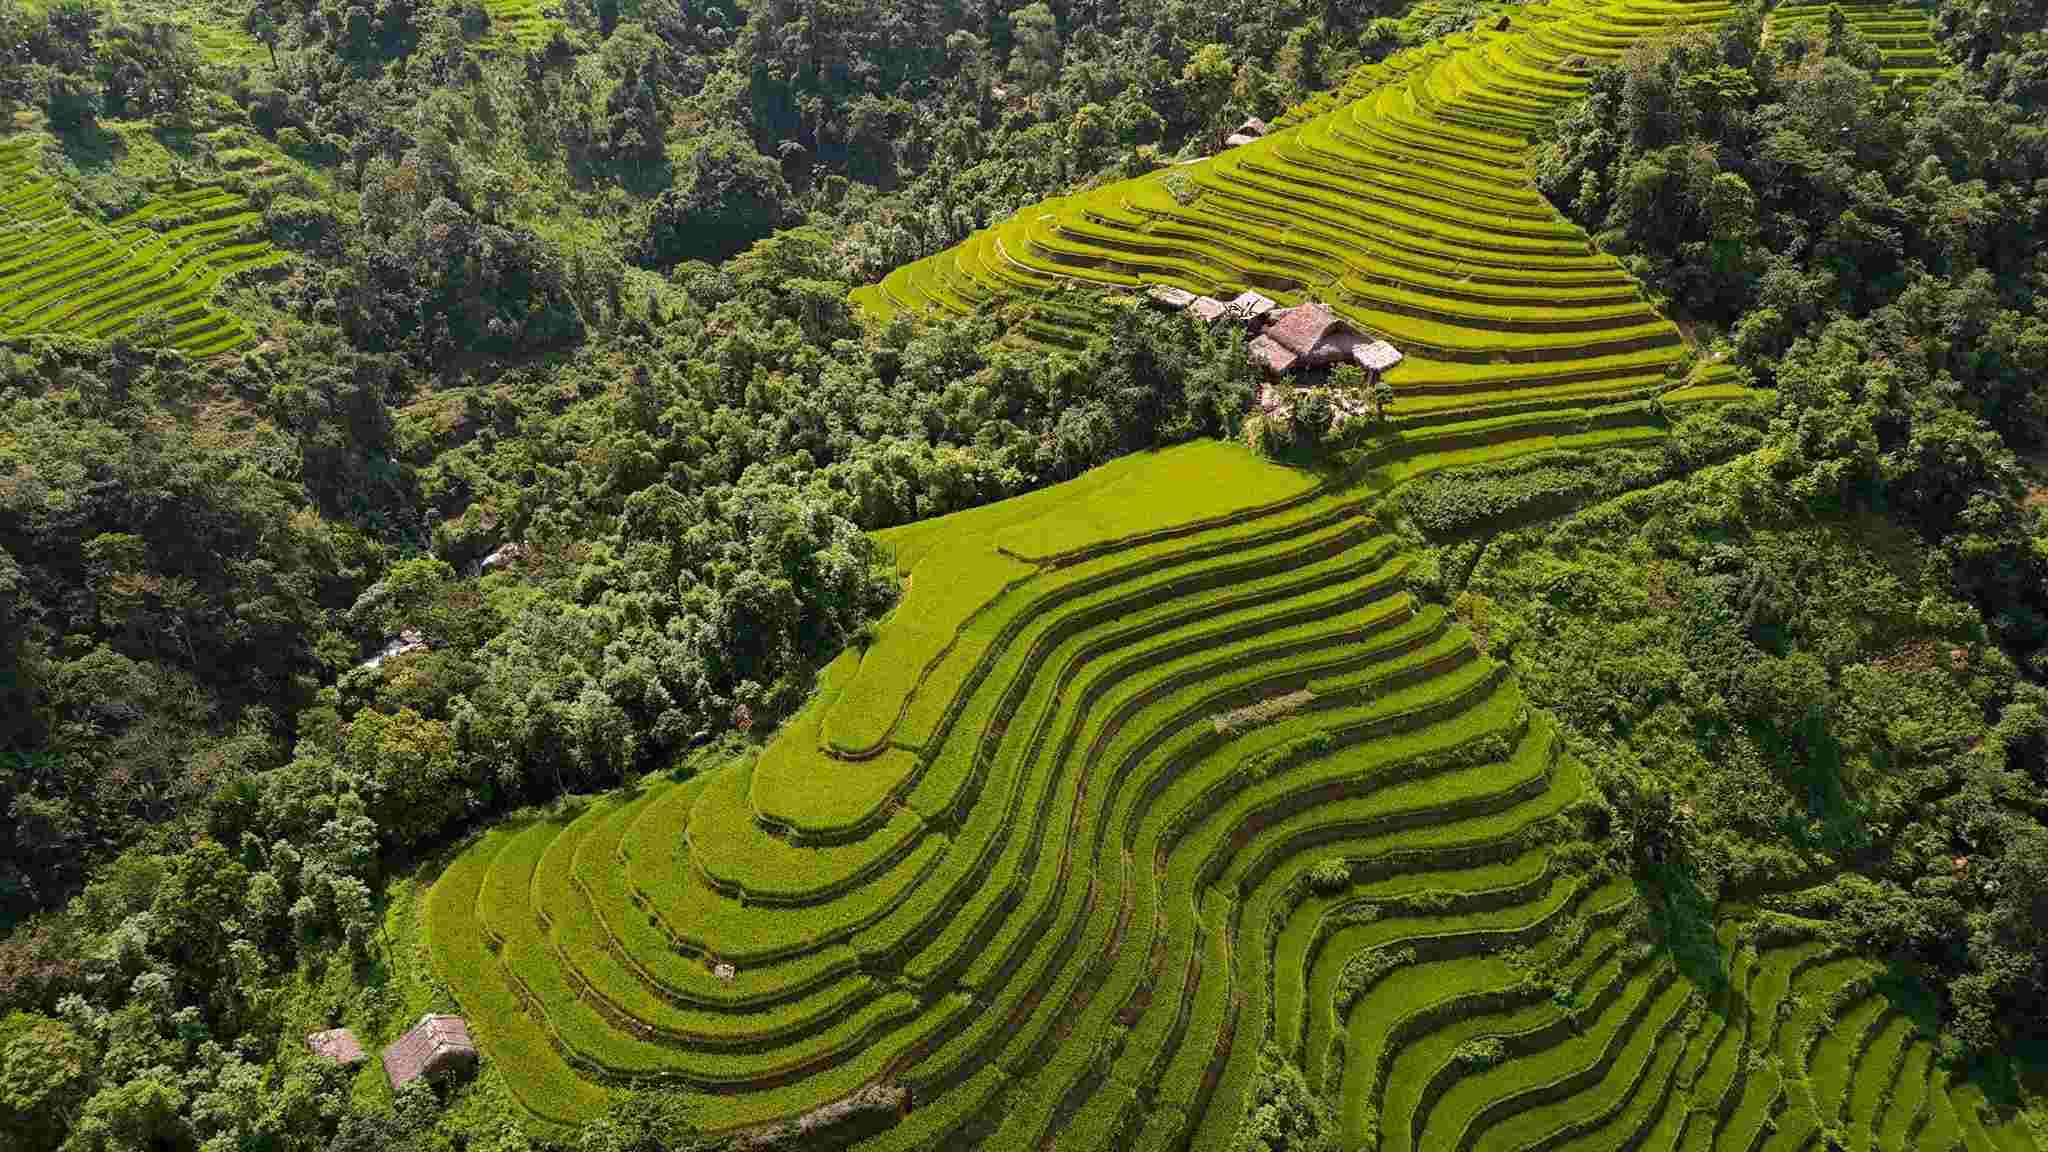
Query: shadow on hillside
(1682, 917)
(88, 145)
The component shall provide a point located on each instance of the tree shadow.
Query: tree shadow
(89, 146)
(1902, 987)
(1682, 917)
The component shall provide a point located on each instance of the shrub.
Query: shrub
(1363, 970)
(1330, 876)
(1479, 1055)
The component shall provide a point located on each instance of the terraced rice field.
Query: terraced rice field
(1406, 207)
(1163, 768)
(1057, 880)
(150, 275)
(1902, 33)
(520, 23)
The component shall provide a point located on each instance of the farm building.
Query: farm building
(1170, 298)
(1250, 130)
(1251, 308)
(437, 1047)
(1248, 308)
(1376, 357)
(338, 1046)
(1309, 337)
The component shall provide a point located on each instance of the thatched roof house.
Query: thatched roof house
(337, 1045)
(1170, 298)
(1235, 139)
(1303, 338)
(437, 1046)
(1310, 337)
(1253, 128)
(1252, 308)
(1376, 357)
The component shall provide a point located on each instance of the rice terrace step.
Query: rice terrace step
(149, 275)
(1162, 773)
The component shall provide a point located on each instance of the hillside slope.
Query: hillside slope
(1408, 210)
(1158, 803)
(1125, 809)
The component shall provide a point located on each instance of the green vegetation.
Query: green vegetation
(147, 277)
(693, 556)
(1898, 39)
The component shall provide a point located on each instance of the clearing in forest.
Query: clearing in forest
(1901, 33)
(148, 276)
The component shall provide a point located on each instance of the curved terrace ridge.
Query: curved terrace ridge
(1162, 775)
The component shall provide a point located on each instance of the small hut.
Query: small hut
(337, 1046)
(437, 1047)
(1250, 130)
(1169, 298)
(1376, 358)
(1251, 308)
(1208, 309)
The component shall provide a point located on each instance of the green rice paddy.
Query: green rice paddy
(1403, 204)
(148, 276)
(522, 24)
(1072, 914)
(1901, 33)
(1164, 766)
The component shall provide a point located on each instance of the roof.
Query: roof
(1236, 139)
(1276, 357)
(431, 1044)
(1208, 308)
(1304, 326)
(1252, 127)
(1252, 305)
(338, 1045)
(1169, 296)
(1377, 356)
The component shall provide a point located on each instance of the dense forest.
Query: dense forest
(556, 448)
